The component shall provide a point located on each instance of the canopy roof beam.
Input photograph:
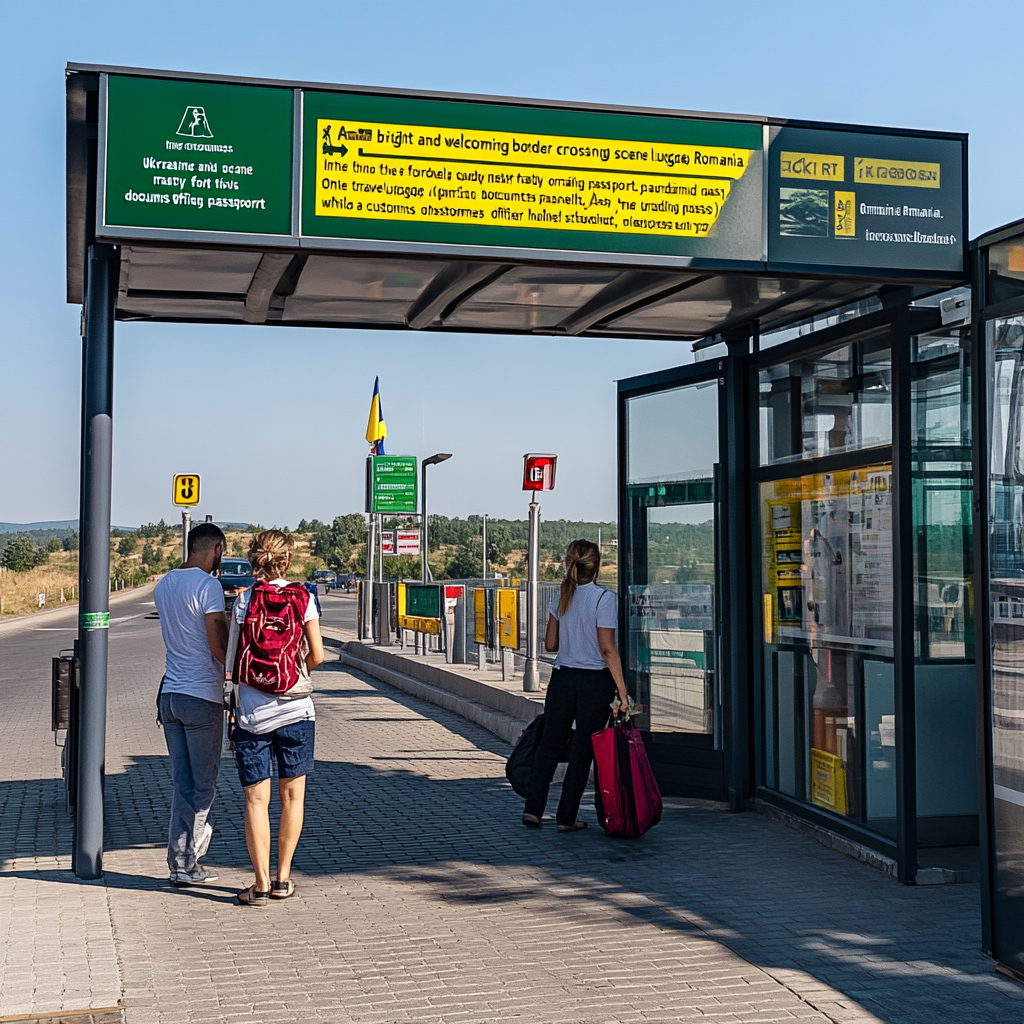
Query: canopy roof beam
(630, 290)
(452, 285)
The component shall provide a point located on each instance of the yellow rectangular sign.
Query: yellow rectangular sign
(872, 171)
(406, 172)
(508, 617)
(828, 781)
(817, 166)
(419, 624)
(480, 615)
(186, 489)
(844, 214)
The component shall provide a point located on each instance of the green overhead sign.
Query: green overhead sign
(418, 174)
(391, 483)
(198, 156)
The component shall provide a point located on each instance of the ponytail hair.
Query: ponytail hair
(269, 554)
(582, 563)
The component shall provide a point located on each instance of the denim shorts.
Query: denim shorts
(292, 745)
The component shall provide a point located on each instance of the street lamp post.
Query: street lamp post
(424, 550)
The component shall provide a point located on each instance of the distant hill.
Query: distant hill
(67, 525)
(56, 524)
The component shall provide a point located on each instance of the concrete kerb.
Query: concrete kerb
(499, 712)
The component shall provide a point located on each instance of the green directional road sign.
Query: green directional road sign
(392, 483)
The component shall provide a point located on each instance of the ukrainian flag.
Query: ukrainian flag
(376, 428)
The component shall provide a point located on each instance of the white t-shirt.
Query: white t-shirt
(184, 597)
(260, 712)
(592, 606)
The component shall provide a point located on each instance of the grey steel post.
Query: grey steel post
(94, 563)
(485, 547)
(425, 550)
(186, 525)
(531, 671)
(425, 535)
(459, 640)
(367, 588)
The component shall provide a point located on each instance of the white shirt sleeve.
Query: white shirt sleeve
(213, 596)
(608, 610)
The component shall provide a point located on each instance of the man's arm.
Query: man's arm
(217, 635)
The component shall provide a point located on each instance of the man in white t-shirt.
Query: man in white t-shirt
(190, 601)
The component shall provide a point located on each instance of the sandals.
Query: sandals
(253, 897)
(574, 827)
(282, 890)
(531, 821)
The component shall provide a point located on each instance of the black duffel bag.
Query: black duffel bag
(520, 761)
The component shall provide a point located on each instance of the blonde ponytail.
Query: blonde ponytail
(582, 563)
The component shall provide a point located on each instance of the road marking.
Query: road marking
(56, 629)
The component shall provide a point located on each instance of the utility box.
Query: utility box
(63, 680)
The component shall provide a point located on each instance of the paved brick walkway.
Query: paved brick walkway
(423, 900)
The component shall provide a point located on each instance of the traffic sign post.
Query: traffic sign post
(538, 475)
(185, 492)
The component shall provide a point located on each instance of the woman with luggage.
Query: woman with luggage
(274, 642)
(586, 678)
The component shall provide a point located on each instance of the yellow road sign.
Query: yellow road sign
(186, 489)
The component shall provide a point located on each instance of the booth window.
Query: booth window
(827, 579)
(670, 550)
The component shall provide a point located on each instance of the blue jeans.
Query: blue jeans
(193, 729)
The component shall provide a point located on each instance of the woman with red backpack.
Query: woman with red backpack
(273, 644)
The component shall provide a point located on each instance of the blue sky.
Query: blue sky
(186, 398)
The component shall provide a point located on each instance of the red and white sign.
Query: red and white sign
(407, 542)
(387, 542)
(539, 472)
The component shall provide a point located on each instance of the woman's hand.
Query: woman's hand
(623, 702)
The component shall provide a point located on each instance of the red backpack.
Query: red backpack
(268, 646)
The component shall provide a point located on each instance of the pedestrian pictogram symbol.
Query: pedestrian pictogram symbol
(186, 489)
(194, 124)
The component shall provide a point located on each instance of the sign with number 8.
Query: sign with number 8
(186, 489)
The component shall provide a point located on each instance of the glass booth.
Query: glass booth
(796, 563)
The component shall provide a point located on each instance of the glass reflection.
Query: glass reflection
(827, 594)
(827, 403)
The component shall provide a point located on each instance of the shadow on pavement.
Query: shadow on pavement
(777, 899)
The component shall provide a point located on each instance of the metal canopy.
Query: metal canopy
(758, 260)
(199, 285)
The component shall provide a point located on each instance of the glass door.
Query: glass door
(672, 459)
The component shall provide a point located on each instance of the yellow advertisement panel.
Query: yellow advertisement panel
(407, 172)
(480, 615)
(508, 617)
(818, 166)
(844, 222)
(872, 171)
(828, 781)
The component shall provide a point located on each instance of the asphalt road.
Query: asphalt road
(134, 640)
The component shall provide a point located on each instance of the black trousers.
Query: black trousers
(574, 695)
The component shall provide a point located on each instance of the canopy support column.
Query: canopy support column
(94, 554)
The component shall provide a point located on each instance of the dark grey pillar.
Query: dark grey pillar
(94, 554)
(903, 602)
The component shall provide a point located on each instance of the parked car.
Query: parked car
(235, 576)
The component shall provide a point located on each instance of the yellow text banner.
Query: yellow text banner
(460, 176)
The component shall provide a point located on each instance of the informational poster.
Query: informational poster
(199, 156)
(828, 558)
(488, 174)
(852, 199)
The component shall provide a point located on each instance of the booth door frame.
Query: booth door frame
(726, 758)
